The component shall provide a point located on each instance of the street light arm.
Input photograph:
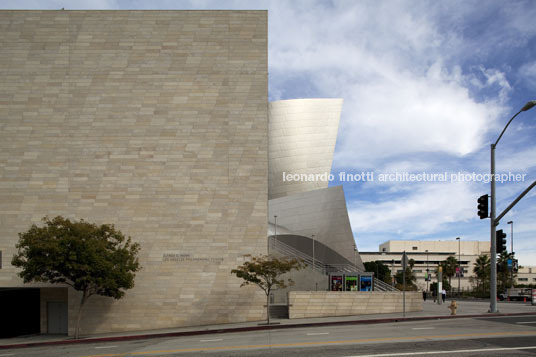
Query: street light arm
(526, 107)
(493, 220)
(499, 138)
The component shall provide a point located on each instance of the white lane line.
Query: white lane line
(423, 328)
(8, 354)
(446, 352)
(214, 340)
(526, 322)
(317, 333)
(99, 347)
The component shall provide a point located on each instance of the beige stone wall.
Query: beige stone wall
(155, 121)
(303, 304)
(46, 295)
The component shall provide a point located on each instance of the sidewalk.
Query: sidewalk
(431, 310)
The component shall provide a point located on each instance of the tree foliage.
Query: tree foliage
(95, 260)
(449, 270)
(381, 270)
(504, 275)
(482, 275)
(410, 279)
(265, 271)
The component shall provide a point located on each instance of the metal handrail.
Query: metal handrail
(383, 286)
(322, 267)
(290, 251)
(318, 264)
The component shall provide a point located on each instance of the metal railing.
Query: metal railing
(287, 250)
(383, 286)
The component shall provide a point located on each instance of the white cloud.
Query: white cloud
(59, 4)
(432, 113)
(428, 208)
(520, 161)
(392, 65)
(527, 73)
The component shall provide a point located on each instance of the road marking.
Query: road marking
(423, 328)
(320, 343)
(445, 352)
(214, 340)
(99, 347)
(8, 354)
(526, 322)
(317, 333)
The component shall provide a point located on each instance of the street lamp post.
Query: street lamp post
(275, 236)
(313, 236)
(355, 256)
(511, 223)
(459, 264)
(427, 272)
(392, 272)
(493, 223)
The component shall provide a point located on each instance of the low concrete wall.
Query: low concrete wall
(304, 304)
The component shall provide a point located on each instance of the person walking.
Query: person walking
(424, 295)
(434, 294)
(443, 294)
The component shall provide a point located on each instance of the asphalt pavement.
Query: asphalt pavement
(431, 310)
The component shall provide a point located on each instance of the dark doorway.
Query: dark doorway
(57, 317)
(19, 312)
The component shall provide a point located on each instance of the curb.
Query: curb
(253, 328)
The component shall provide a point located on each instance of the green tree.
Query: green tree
(381, 271)
(95, 260)
(264, 271)
(410, 277)
(482, 275)
(449, 270)
(504, 276)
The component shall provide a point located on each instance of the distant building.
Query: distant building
(428, 255)
(526, 275)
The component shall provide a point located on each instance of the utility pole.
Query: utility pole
(427, 273)
(494, 221)
(511, 223)
(275, 236)
(459, 264)
(313, 236)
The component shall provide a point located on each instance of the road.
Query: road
(486, 336)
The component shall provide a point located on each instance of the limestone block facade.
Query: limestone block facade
(304, 304)
(155, 121)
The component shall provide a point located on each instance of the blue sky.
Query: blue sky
(427, 87)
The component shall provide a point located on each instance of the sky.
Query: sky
(427, 87)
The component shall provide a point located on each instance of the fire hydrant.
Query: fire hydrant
(453, 306)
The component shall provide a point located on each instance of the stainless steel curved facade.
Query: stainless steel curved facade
(321, 213)
(302, 137)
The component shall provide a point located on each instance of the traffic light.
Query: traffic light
(515, 266)
(483, 206)
(500, 240)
